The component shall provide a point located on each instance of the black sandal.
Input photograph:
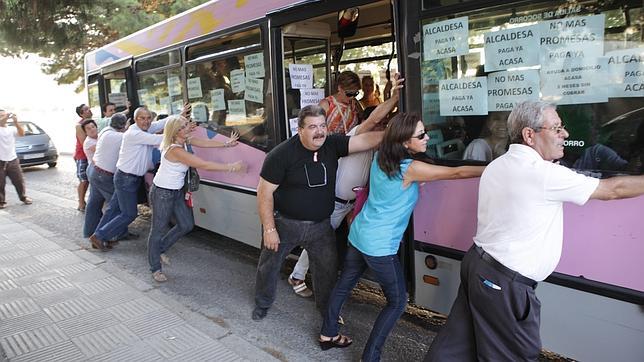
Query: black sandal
(339, 341)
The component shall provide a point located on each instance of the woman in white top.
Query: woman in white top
(89, 145)
(167, 196)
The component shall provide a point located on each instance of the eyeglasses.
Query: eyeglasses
(556, 129)
(316, 173)
(351, 93)
(421, 136)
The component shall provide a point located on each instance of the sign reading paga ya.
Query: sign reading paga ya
(511, 48)
(463, 97)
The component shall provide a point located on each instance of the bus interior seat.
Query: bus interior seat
(451, 149)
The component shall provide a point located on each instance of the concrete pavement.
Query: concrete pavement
(60, 302)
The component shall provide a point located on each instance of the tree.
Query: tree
(64, 30)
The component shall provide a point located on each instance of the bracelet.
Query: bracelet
(268, 231)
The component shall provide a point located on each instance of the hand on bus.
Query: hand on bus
(397, 85)
(238, 166)
(232, 142)
(272, 240)
(192, 125)
(187, 109)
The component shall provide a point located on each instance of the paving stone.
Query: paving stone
(93, 258)
(177, 340)
(25, 236)
(7, 285)
(61, 352)
(28, 341)
(134, 308)
(139, 352)
(12, 255)
(105, 340)
(25, 322)
(10, 227)
(54, 257)
(18, 262)
(115, 296)
(213, 351)
(12, 294)
(101, 285)
(152, 323)
(87, 323)
(48, 286)
(70, 308)
(72, 269)
(4, 243)
(45, 300)
(21, 271)
(37, 277)
(88, 276)
(18, 308)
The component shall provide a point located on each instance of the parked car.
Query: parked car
(35, 148)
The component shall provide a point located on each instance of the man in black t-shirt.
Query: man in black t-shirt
(295, 198)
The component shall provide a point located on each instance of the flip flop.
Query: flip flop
(300, 288)
(339, 341)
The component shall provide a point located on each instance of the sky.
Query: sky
(36, 97)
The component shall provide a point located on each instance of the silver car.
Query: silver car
(35, 148)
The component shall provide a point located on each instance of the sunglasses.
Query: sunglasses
(351, 93)
(421, 136)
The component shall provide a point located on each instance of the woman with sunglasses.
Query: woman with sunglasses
(378, 229)
(342, 109)
(167, 195)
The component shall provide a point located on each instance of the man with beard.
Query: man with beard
(295, 198)
(518, 242)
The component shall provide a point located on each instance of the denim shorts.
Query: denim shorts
(81, 170)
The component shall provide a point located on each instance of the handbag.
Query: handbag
(191, 182)
(362, 193)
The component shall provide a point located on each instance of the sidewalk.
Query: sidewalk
(60, 302)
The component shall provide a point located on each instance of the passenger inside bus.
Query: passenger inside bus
(342, 109)
(492, 141)
(371, 93)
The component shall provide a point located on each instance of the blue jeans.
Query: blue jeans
(101, 189)
(390, 276)
(121, 210)
(166, 204)
(316, 237)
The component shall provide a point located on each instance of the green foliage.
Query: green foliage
(64, 30)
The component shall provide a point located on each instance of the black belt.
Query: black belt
(103, 171)
(343, 201)
(128, 174)
(503, 269)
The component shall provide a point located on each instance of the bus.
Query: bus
(250, 65)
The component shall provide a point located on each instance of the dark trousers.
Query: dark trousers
(13, 170)
(495, 316)
(318, 239)
(391, 278)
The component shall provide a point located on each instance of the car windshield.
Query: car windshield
(30, 128)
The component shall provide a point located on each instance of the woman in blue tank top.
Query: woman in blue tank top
(377, 231)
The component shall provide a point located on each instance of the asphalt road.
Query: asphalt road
(215, 276)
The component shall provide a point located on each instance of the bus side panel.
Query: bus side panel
(227, 212)
(438, 297)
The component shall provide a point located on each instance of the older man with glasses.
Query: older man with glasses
(296, 196)
(518, 242)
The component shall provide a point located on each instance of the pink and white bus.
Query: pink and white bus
(465, 64)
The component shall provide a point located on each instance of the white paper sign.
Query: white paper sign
(143, 93)
(506, 89)
(571, 39)
(237, 80)
(254, 90)
(301, 76)
(580, 81)
(431, 108)
(217, 100)
(310, 97)
(237, 107)
(511, 48)
(150, 100)
(199, 113)
(463, 97)
(293, 125)
(174, 86)
(445, 39)
(165, 101)
(254, 64)
(176, 107)
(119, 99)
(194, 88)
(626, 72)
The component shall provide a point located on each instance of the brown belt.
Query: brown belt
(103, 171)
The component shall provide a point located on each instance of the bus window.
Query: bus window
(94, 99)
(116, 89)
(231, 91)
(159, 61)
(161, 91)
(476, 66)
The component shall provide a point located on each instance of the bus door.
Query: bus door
(117, 83)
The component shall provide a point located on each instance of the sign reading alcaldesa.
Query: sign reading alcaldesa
(511, 48)
(573, 70)
(445, 39)
(463, 97)
(507, 89)
(626, 72)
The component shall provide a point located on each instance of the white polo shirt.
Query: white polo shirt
(135, 156)
(520, 210)
(8, 143)
(107, 149)
(87, 148)
(353, 170)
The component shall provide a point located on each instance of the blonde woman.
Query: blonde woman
(167, 196)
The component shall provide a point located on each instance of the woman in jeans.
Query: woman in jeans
(167, 196)
(377, 231)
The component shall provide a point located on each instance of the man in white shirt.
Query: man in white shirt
(518, 242)
(135, 159)
(101, 179)
(9, 163)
